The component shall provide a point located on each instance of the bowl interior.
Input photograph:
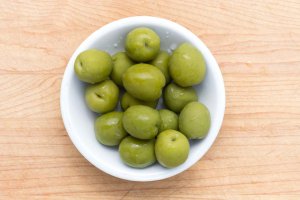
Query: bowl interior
(79, 120)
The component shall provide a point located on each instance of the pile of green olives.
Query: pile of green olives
(145, 73)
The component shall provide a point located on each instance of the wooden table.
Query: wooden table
(257, 153)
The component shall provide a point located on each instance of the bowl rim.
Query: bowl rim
(150, 21)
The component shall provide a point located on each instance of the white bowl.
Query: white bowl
(79, 120)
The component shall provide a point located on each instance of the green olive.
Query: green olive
(142, 44)
(161, 61)
(144, 82)
(187, 65)
(93, 66)
(169, 120)
(102, 97)
(109, 128)
(194, 120)
(121, 63)
(176, 97)
(171, 148)
(137, 153)
(141, 121)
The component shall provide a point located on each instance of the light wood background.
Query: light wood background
(257, 153)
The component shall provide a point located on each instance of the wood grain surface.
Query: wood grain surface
(257, 153)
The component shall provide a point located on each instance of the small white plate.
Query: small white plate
(79, 120)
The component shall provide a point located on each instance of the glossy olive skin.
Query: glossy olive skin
(127, 100)
(161, 61)
(144, 82)
(121, 62)
(137, 153)
(93, 66)
(194, 120)
(102, 97)
(141, 122)
(109, 128)
(171, 148)
(176, 97)
(142, 44)
(169, 120)
(187, 66)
